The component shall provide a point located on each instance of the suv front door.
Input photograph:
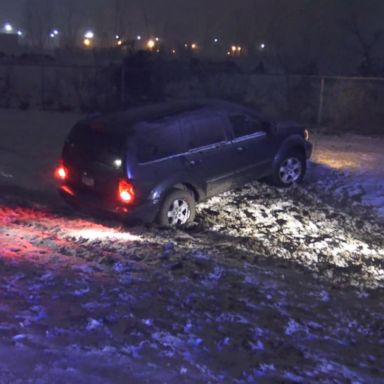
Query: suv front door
(252, 146)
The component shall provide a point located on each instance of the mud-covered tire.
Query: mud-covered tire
(289, 169)
(178, 209)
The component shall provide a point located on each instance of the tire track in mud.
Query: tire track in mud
(256, 223)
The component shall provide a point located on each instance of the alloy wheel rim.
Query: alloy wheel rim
(179, 212)
(290, 170)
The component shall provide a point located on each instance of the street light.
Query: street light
(8, 28)
(88, 38)
(151, 44)
(262, 45)
(89, 35)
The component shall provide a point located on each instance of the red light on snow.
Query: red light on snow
(61, 173)
(126, 192)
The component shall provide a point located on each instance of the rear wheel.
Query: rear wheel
(178, 209)
(289, 169)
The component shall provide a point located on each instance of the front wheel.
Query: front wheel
(178, 209)
(289, 169)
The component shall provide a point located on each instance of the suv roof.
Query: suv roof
(122, 122)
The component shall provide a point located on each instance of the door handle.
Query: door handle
(192, 163)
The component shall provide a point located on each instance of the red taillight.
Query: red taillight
(67, 190)
(126, 192)
(61, 172)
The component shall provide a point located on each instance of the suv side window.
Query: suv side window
(158, 140)
(244, 125)
(200, 133)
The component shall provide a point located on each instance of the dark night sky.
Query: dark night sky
(225, 10)
(311, 27)
(10, 9)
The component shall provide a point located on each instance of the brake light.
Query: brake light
(67, 190)
(61, 172)
(126, 192)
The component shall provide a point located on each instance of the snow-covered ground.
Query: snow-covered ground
(267, 286)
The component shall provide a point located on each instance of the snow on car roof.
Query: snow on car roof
(123, 121)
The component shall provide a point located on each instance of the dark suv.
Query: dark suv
(157, 162)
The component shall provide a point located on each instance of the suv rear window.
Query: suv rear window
(202, 132)
(84, 142)
(158, 140)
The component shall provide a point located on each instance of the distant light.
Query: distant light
(20, 33)
(8, 27)
(89, 35)
(138, 37)
(151, 44)
(238, 49)
(173, 51)
(262, 45)
(87, 42)
(157, 39)
(228, 53)
(117, 37)
(215, 40)
(119, 42)
(186, 45)
(194, 46)
(233, 48)
(52, 35)
(55, 32)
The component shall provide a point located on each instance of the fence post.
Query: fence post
(321, 102)
(42, 79)
(122, 85)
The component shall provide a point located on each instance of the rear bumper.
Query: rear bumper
(144, 212)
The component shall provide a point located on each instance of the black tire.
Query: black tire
(289, 169)
(181, 205)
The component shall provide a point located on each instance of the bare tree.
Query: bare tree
(71, 17)
(37, 19)
(367, 42)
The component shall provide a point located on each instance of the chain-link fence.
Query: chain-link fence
(338, 103)
(62, 88)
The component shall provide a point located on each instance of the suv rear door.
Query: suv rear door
(158, 146)
(208, 149)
